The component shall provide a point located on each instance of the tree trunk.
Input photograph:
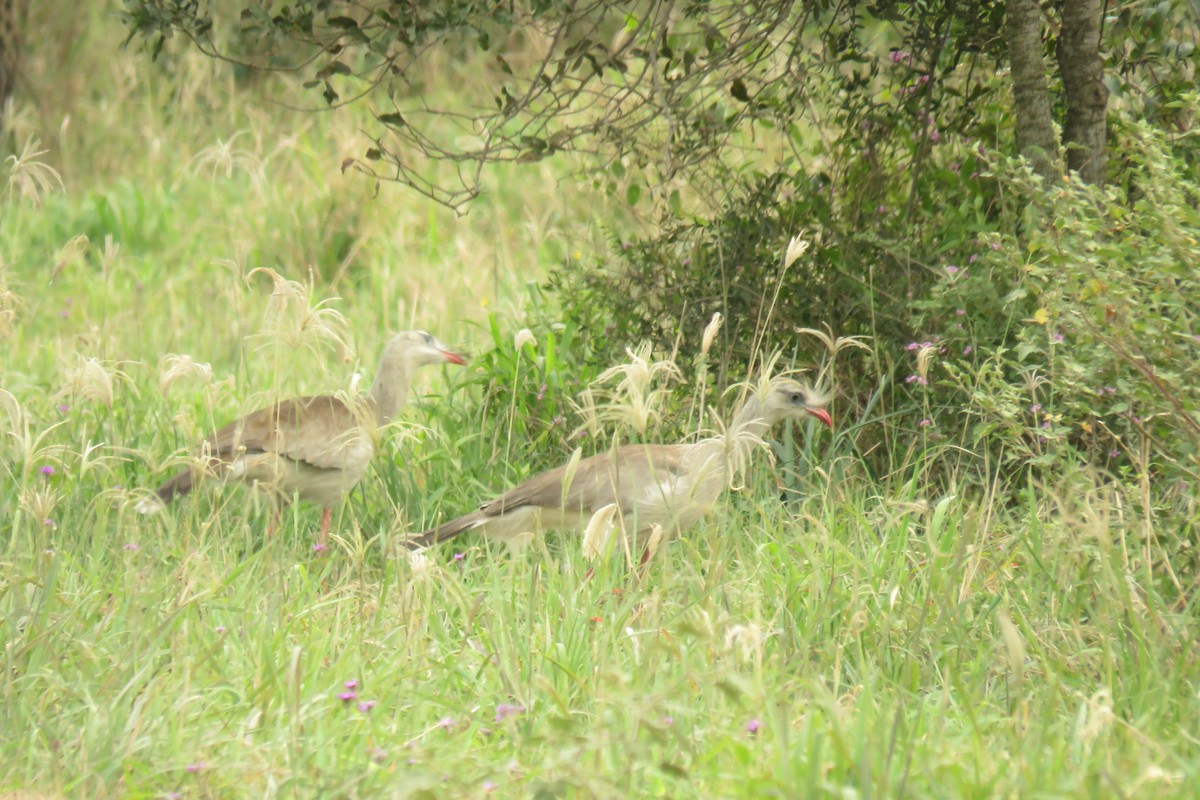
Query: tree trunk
(1031, 97)
(10, 47)
(1082, 71)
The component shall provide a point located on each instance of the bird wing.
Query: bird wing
(625, 476)
(322, 431)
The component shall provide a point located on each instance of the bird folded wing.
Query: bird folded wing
(322, 431)
(619, 477)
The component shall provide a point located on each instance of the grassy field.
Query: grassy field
(876, 638)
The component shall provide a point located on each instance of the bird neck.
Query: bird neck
(749, 423)
(389, 392)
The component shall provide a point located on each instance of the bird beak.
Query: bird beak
(822, 415)
(453, 358)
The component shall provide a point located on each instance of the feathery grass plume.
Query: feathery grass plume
(293, 320)
(636, 399)
(31, 446)
(745, 640)
(70, 254)
(1013, 645)
(181, 367)
(796, 248)
(710, 332)
(92, 380)
(524, 337)
(924, 358)
(598, 532)
(419, 565)
(9, 301)
(39, 501)
(30, 179)
(224, 159)
(653, 541)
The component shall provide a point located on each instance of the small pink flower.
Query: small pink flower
(967, 350)
(972, 259)
(753, 726)
(366, 706)
(377, 754)
(951, 269)
(459, 556)
(1036, 407)
(445, 723)
(348, 697)
(64, 408)
(194, 768)
(995, 245)
(1058, 337)
(489, 786)
(47, 471)
(668, 721)
(131, 547)
(506, 710)
(1114, 453)
(219, 629)
(318, 548)
(922, 80)
(962, 312)
(351, 684)
(900, 56)
(925, 423)
(912, 346)
(934, 136)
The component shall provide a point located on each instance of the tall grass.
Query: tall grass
(869, 637)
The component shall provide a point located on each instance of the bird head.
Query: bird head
(420, 349)
(788, 398)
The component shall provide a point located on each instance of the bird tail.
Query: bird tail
(446, 531)
(179, 484)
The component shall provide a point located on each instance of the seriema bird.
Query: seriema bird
(665, 486)
(317, 447)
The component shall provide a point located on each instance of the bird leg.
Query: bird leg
(326, 515)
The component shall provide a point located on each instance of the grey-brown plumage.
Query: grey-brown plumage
(670, 486)
(315, 447)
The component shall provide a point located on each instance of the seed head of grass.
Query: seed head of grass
(598, 532)
(223, 159)
(9, 302)
(183, 367)
(30, 179)
(293, 320)
(92, 380)
(638, 397)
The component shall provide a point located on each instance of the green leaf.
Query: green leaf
(392, 118)
(633, 193)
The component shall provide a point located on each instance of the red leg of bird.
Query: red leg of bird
(326, 515)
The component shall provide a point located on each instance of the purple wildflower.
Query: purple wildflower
(912, 346)
(1114, 453)
(995, 245)
(962, 312)
(1036, 407)
(459, 556)
(51, 524)
(668, 720)
(445, 723)
(1058, 337)
(506, 710)
(488, 786)
(753, 726)
(934, 136)
(351, 685)
(973, 258)
(881, 210)
(951, 269)
(319, 548)
(925, 423)
(377, 754)
(366, 705)
(64, 408)
(219, 629)
(194, 768)
(132, 547)
(347, 697)
(923, 79)
(1046, 425)
(967, 350)
(899, 56)
(47, 470)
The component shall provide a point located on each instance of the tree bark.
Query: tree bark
(10, 47)
(1082, 70)
(1031, 97)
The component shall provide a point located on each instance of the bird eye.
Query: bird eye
(428, 338)
(796, 398)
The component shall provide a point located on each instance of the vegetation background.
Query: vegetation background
(983, 583)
